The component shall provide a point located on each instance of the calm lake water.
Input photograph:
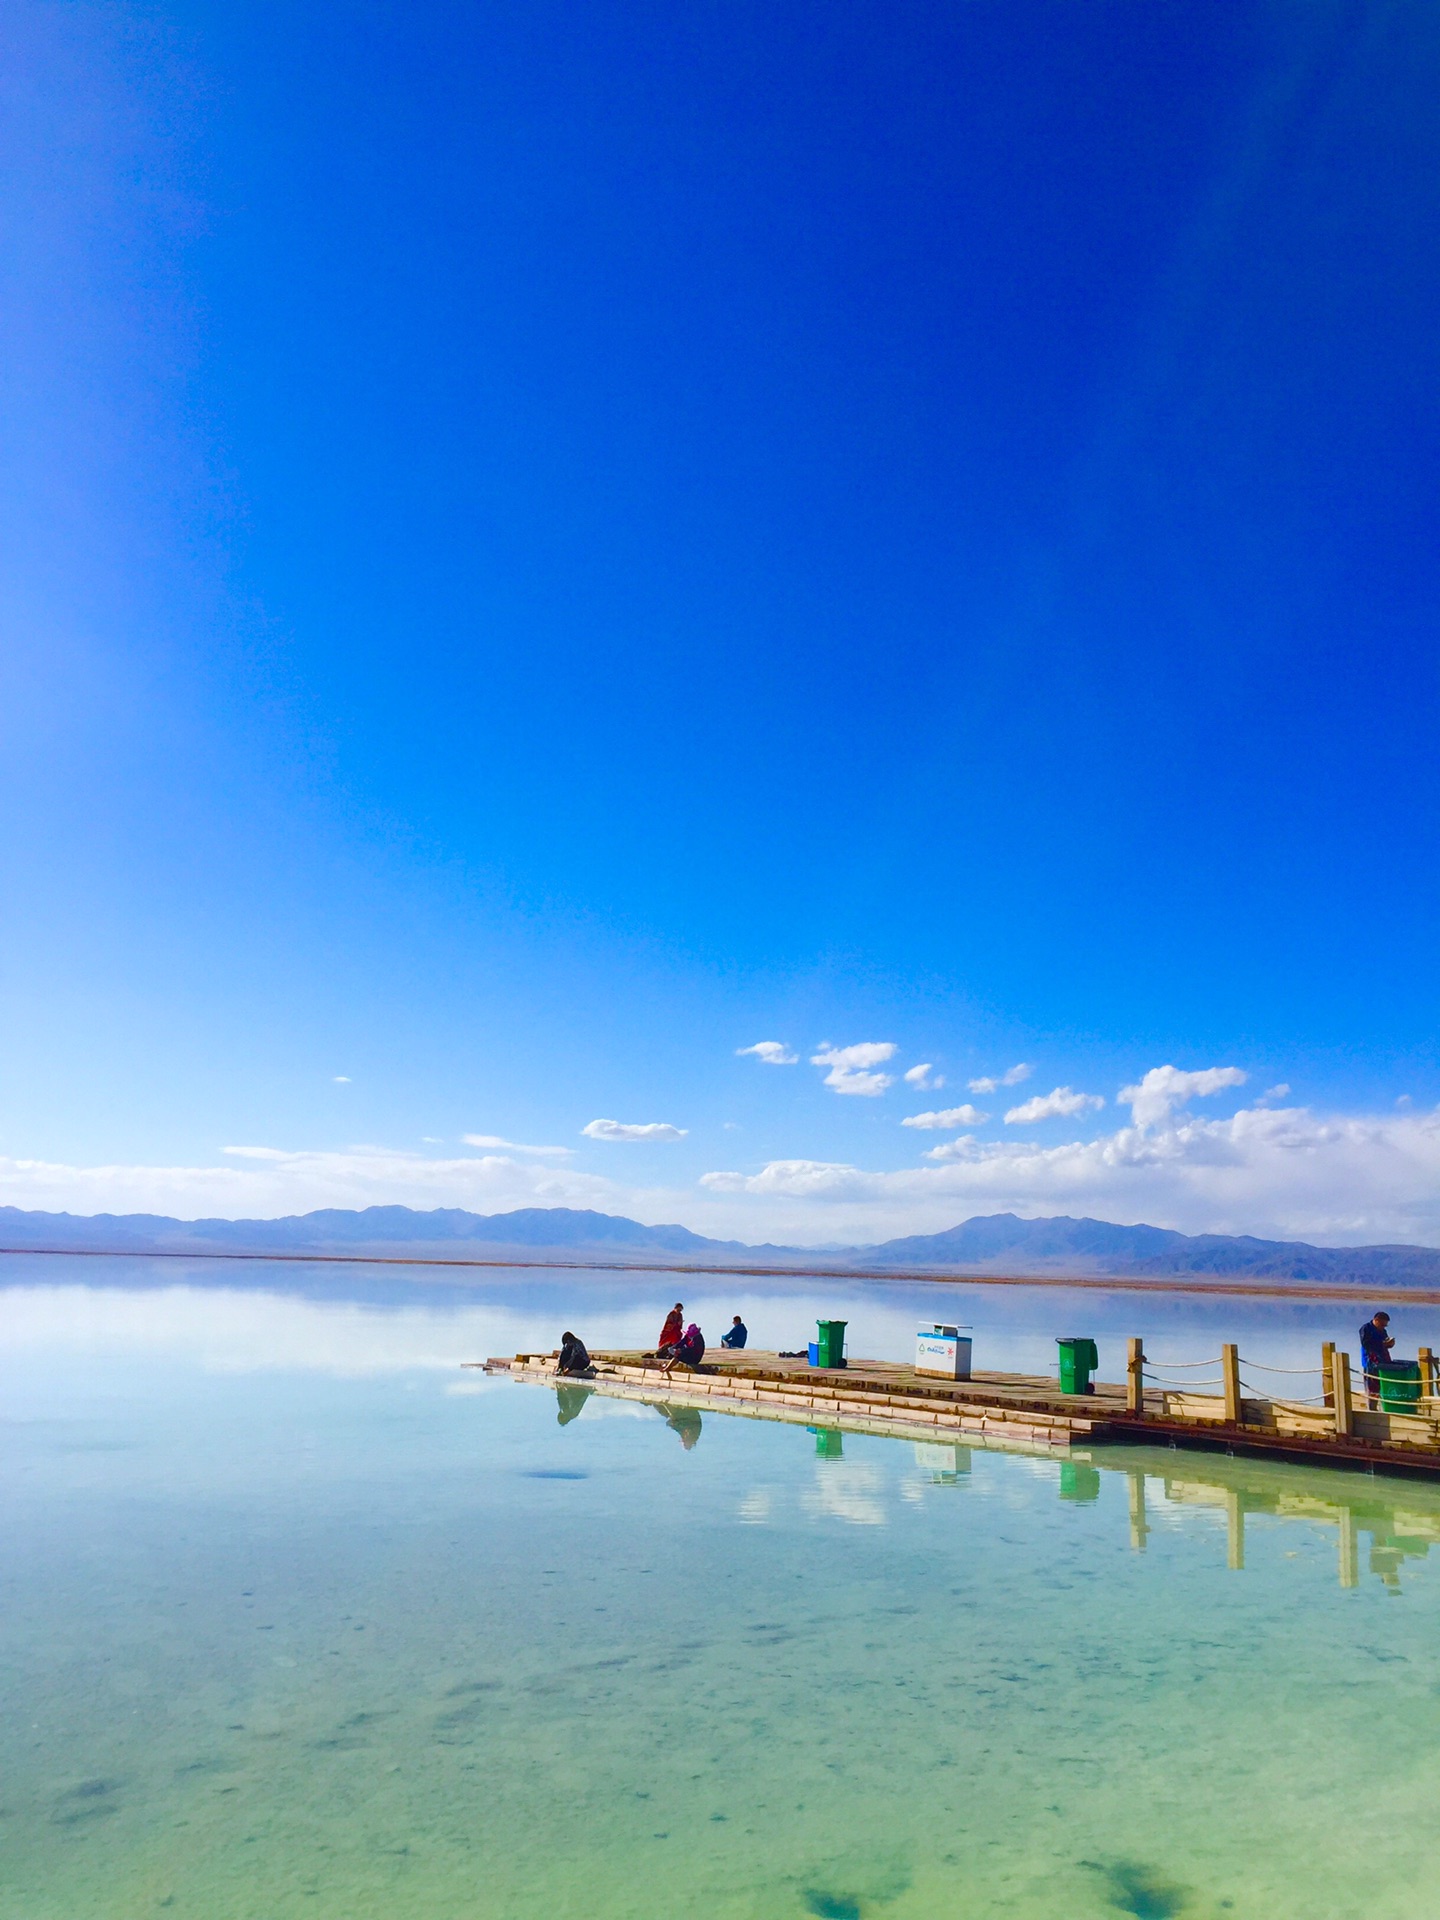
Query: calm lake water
(300, 1619)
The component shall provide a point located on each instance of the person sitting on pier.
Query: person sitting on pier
(573, 1357)
(737, 1336)
(689, 1352)
(1375, 1346)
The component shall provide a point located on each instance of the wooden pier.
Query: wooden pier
(1028, 1412)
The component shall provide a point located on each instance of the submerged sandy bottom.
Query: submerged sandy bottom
(280, 1646)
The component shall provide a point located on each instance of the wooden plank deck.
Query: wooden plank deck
(1008, 1409)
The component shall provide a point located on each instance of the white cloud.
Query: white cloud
(1060, 1104)
(774, 1053)
(924, 1077)
(493, 1140)
(849, 1066)
(1012, 1077)
(341, 1079)
(262, 1182)
(633, 1130)
(1284, 1173)
(1163, 1089)
(961, 1149)
(809, 1179)
(966, 1116)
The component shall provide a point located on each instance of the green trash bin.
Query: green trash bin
(1078, 1360)
(831, 1342)
(1399, 1386)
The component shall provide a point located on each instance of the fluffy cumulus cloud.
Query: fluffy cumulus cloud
(774, 1053)
(923, 1077)
(633, 1130)
(852, 1068)
(1287, 1173)
(795, 1179)
(961, 1149)
(1281, 1172)
(1163, 1089)
(1061, 1103)
(966, 1116)
(1022, 1070)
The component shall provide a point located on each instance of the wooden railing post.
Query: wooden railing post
(1230, 1369)
(1135, 1378)
(1427, 1374)
(1327, 1371)
(1344, 1404)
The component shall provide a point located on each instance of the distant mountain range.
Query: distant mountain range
(999, 1243)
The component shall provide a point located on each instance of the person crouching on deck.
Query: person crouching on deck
(737, 1336)
(573, 1357)
(690, 1351)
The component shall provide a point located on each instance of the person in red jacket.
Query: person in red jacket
(670, 1332)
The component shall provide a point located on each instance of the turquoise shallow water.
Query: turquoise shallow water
(289, 1632)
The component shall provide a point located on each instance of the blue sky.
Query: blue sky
(544, 546)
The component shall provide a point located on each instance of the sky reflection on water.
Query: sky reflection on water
(299, 1619)
(359, 1320)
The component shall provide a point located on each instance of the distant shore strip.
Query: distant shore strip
(927, 1276)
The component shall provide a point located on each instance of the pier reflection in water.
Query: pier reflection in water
(1378, 1521)
(1381, 1521)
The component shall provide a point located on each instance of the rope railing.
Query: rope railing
(1191, 1390)
(1290, 1399)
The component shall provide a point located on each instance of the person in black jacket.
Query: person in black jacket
(1375, 1345)
(689, 1353)
(573, 1356)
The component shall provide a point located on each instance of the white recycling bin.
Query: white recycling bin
(944, 1351)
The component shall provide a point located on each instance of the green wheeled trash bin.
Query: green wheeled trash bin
(1399, 1386)
(831, 1342)
(1078, 1360)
